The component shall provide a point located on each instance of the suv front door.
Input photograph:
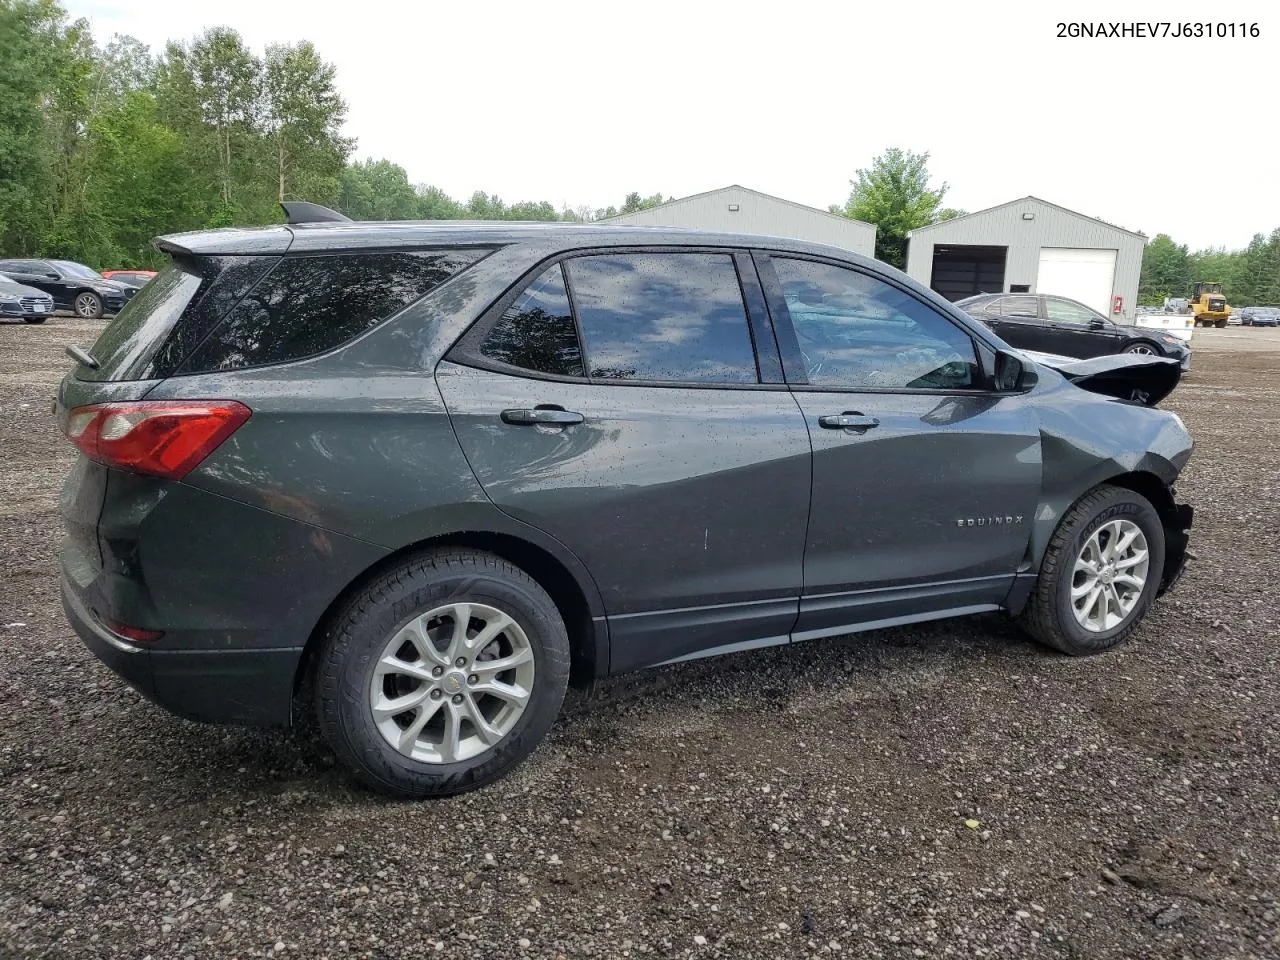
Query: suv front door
(924, 481)
(639, 428)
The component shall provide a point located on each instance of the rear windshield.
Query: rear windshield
(227, 313)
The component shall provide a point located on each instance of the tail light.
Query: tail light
(165, 438)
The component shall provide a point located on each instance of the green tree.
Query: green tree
(301, 115)
(377, 190)
(894, 194)
(528, 210)
(138, 166)
(435, 204)
(30, 35)
(1166, 271)
(224, 78)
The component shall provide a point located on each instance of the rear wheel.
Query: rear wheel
(1100, 572)
(1220, 324)
(442, 674)
(88, 305)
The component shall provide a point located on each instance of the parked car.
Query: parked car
(131, 278)
(1260, 316)
(22, 302)
(1058, 325)
(73, 286)
(422, 475)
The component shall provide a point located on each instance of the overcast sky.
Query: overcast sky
(579, 103)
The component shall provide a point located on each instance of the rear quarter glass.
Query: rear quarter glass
(169, 317)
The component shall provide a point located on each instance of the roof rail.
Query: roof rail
(299, 211)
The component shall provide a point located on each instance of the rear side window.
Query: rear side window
(160, 326)
(536, 332)
(308, 305)
(662, 316)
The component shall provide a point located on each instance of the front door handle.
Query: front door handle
(849, 420)
(544, 414)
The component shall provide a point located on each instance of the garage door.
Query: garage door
(1084, 275)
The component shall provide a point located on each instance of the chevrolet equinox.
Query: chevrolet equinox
(417, 476)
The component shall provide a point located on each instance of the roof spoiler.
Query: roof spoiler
(299, 211)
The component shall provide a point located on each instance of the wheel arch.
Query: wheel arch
(578, 602)
(1145, 483)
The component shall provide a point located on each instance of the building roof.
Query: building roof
(738, 186)
(978, 213)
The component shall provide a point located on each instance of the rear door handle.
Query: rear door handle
(547, 414)
(849, 420)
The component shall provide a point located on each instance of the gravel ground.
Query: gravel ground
(943, 791)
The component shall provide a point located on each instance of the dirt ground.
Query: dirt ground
(948, 790)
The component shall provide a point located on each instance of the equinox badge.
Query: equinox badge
(989, 521)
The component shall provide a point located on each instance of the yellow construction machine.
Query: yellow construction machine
(1209, 306)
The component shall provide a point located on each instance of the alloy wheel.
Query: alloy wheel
(1142, 349)
(87, 305)
(1109, 576)
(452, 683)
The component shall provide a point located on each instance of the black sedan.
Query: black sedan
(1067, 328)
(73, 286)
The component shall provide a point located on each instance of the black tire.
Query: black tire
(1220, 324)
(87, 305)
(34, 320)
(1048, 616)
(1143, 347)
(354, 641)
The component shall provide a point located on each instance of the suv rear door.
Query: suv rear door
(647, 427)
(924, 481)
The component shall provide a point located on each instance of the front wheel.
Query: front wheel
(88, 305)
(1099, 575)
(1220, 324)
(1143, 349)
(442, 674)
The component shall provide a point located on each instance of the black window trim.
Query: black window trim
(466, 350)
(789, 345)
(486, 250)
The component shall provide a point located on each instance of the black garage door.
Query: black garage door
(961, 271)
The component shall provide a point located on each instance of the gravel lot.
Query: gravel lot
(941, 791)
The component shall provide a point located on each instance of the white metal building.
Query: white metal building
(1030, 246)
(736, 209)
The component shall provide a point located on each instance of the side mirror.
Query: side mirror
(51, 276)
(1012, 374)
(1097, 324)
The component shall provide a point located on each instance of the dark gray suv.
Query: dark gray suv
(419, 476)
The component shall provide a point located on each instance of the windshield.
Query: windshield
(75, 269)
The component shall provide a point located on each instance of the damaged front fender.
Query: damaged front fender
(1132, 377)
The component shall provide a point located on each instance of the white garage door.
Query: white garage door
(1084, 275)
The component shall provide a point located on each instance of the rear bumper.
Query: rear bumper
(247, 687)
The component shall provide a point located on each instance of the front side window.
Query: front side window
(857, 331)
(310, 304)
(1025, 307)
(1065, 311)
(536, 332)
(662, 316)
